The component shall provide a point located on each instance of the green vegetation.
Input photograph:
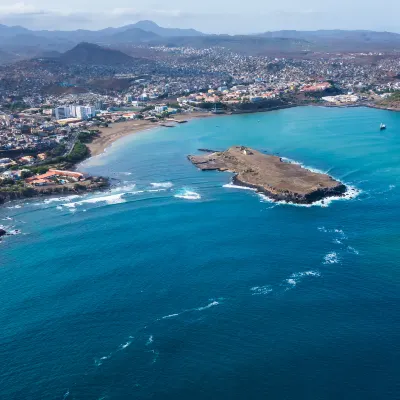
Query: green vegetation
(87, 136)
(57, 151)
(391, 101)
(79, 152)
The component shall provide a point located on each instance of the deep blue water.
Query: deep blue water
(142, 294)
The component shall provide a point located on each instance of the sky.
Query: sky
(209, 16)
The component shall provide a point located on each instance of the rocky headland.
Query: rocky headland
(90, 184)
(270, 175)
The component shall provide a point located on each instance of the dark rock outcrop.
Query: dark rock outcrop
(271, 176)
(2, 232)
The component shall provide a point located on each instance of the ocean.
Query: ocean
(177, 285)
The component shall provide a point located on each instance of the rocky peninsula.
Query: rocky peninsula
(270, 175)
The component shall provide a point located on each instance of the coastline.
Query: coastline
(122, 129)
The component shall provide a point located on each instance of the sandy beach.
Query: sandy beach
(121, 129)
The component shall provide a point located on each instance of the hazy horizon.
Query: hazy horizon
(210, 17)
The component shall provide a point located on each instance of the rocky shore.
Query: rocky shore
(90, 184)
(270, 175)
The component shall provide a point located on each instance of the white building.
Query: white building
(62, 112)
(84, 112)
(161, 108)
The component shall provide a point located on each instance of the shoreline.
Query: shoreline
(120, 130)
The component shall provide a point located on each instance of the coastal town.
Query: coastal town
(50, 113)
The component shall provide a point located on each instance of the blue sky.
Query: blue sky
(212, 16)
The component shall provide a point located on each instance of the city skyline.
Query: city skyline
(209, 17)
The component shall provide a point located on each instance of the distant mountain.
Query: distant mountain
(12, 30)
(150, 26)
(342, 40)
(251, 45)
(134, 35)
(92, 54)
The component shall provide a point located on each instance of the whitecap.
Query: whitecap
(16, 206)
(353, 250)
(296, 278)
(291, 281)
(165, 185)
(111, 199)
(170, 316)
(214, 303)
(126, 187)
(125, 345)
(66, 394)
(306, 273)
(156, 354)
(260, 290)
(149, 340)
(187, 195)
(100, 361)
(331, 258)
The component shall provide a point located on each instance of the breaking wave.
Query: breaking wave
(295, 278)
(150, 340)
(331, 258)
(214, 303)
(187, 195)
(233, 186)
(111, 199)
(260, 290)
(170, 316)
(164, 185)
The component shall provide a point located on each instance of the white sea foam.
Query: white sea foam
(233, 186)
(291, 281)
(110, 199)
(66, 394)
(126, 187)
(149, 340)
(100, 361)
(353, 250)
(295, 278)
(306, 273)
(156, 190)
(331, 258)
(7, 219)
(164, 185)
(125, 173)
(156, 354)
(260, 290)
(16, 206)
(170, 316)
(337, 241)
(187, 195)
(351, 192)
(214, 303)
(125, 345)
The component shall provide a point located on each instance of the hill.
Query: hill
(342, 40)
(92, 54)
(151, 26)
(132, 35)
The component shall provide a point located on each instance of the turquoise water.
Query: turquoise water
(172, 286)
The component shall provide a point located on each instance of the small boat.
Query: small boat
(382, 127)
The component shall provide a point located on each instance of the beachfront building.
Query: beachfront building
(55, 177)
(160, 108)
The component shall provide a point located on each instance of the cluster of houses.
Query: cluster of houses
(55, 177)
